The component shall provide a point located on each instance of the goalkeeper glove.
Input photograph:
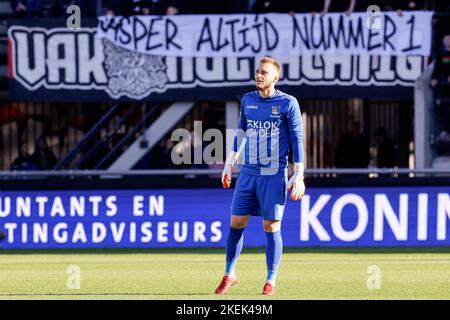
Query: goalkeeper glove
(229, 164)
(228, 170)
(296, 183)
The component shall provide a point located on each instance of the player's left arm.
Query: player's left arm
(295, 124)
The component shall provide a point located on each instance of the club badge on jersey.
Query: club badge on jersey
(275, 110)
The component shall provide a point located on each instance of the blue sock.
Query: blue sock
(235, 241)
(274, 250)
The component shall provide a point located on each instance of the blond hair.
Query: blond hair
(272, 61)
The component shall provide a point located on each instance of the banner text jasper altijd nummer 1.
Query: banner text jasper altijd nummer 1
(274, 34)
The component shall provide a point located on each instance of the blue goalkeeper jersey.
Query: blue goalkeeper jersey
(270, 125)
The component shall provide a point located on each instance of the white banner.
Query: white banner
(277, 35)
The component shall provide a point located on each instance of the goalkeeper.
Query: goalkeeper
(271, 121)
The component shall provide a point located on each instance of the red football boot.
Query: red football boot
(268, 290)
(225, 284)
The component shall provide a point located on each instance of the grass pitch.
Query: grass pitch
(314, 273)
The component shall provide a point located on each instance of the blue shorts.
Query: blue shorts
(263, 196)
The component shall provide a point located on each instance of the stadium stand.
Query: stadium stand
(84, 136)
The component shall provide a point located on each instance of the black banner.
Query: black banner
(49, 62)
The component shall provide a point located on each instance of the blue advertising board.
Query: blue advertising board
(334, 217)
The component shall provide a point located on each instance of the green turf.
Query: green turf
(317, 273)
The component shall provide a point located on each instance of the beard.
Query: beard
(262, 86)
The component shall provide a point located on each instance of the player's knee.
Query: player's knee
(271, 226)
(238, 223)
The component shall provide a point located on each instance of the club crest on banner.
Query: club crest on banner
(133, 73)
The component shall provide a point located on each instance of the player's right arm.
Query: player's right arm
(237, 149)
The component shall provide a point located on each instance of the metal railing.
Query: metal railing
(184, 172)
(87, 138)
